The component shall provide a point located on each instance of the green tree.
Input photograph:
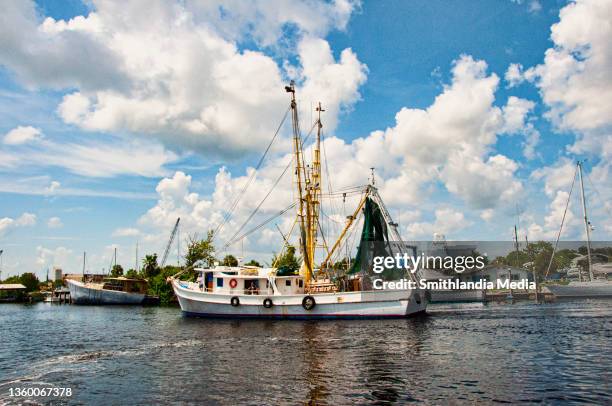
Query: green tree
(12, 279)
(159, 287)
(149, 266)
(116, 271)
(200, 252)
(253, 263)
(30, 281)
(230, 260)
(288, 260)
(131, 273)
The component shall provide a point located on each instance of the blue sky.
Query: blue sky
(115, 122)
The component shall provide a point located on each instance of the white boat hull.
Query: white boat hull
(585, 290)
(80, 293)
(368, 304)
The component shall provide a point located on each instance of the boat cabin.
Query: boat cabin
(123, 284)
(249, 281)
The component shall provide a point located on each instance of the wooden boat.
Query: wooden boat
(108, 291)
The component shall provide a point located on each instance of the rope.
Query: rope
(561, 228)
(247, 233)
(239, 196)
(233, 239)
(598, 194)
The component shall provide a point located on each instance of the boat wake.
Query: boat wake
(40, 374)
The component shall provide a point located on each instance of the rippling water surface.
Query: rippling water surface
(500, 353)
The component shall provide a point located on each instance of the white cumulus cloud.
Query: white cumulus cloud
(22, 135)
(55, 222)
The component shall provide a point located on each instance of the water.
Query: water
(551, 353)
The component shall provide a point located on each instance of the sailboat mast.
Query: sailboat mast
(314, 192)
(587, 227)
(301, 180)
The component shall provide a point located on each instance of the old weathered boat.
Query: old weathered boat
(326, 291)
(107, 291)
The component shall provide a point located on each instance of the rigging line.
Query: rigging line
(231, 239)
(597, 192)
(562, 221)
(266, 196)
(259, 226)
(251, 178)
(329, 183)
(330, 218)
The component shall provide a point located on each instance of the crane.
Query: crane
(167, 251)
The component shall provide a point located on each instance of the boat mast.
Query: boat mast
(587, 225)
(314, 192)
(301, 180)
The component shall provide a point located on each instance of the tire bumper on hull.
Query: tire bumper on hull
(364, 305)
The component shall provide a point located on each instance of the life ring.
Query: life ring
(267, 303)
(308, 303)
(235, 301)
(233, 283)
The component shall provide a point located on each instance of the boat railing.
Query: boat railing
(254, 292)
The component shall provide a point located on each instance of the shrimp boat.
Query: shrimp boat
(326, 291)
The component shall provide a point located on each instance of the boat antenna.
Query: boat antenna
(587, 224)
(373, 180)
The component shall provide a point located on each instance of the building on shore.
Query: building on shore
(12, 292)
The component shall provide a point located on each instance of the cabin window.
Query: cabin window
(288, 282)
(219, 282)
(301, 283)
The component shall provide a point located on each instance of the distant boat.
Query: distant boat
(51, 298)
(109, 291)
(584, 289)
